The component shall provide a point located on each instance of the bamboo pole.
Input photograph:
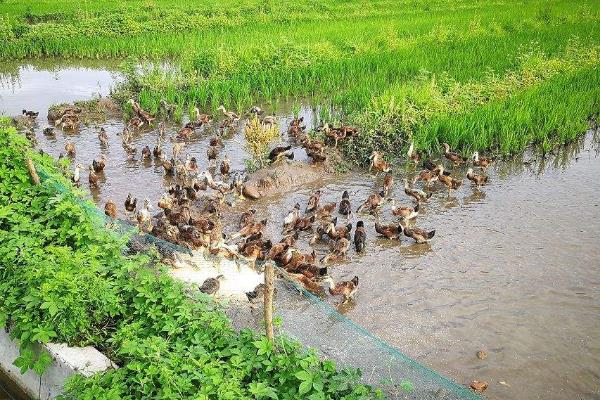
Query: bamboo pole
(34, 176)
(268, 294)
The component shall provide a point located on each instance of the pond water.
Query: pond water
(514, 268)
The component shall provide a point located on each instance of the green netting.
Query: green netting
(313, 322)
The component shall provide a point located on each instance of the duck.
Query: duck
(256, 110)
(412, 154)
(258, 292)
(99, 163)
(146, 153)
(388, 182)
(324, 212)
(345, 207)
(315, 156)
(225, 166)
(216, 141)
(92, 177)
(360, 237)
(334, 134)
(212, 152)
(454, 157)
(143, 217)
(338, 250)
(130, 204)
(307, 269)
(169, 166)
(110, 209)
(482, 162)
(229, 114)
(146, 116)
(419, 235)
(191, 164)
(313, 202)
(304, 223)
(290, 219)
(281, 151)
(429, 165)
(389, 231)
(416, 194)
(48, 131)
(157, 151)
(250, 229)
(478, 180)
(103, 137)
(30, 114)
(448, 181)
(306, 283)
(130, 150)
(337, 232)
(186, 132)
(70, 149)
(202, 119)
(427, 176)
(372, 203)
(314, 145)
(378, 163)
(136, 122)
(270, 120)
(177, 149)
(77, 174)
(211, 285)
(247, 218)
(405, 212)
(166, 202)
(347, 289)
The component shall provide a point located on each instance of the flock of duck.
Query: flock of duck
(192, 210)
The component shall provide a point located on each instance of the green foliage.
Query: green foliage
(63, 277)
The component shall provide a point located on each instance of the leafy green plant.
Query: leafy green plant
(63, 277)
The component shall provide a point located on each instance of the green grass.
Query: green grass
(354, 55)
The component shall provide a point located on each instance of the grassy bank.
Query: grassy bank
(393, 59)
(65, 279)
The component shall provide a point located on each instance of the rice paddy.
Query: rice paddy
(476, 74)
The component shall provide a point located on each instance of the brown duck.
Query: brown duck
(389, 231)
(347, 289)
(454, 157)
(477, 179)
(419, 235)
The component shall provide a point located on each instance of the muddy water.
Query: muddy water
(513, 268)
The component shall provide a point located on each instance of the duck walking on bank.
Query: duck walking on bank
(477, 179)
(211, 285)
(378, 163)
(347, 289)
(482, 162)
(448, 181)
(452, 156)
(416, 194)
(412, 154)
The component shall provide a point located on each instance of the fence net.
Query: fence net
(306, 318)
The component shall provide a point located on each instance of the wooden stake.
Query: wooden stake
(34, 176)
(268, 293)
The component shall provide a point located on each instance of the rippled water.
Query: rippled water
(514, 268)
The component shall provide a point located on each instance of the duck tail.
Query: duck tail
(355, 280)
(431, 234)
(322, 271)
(417, 207)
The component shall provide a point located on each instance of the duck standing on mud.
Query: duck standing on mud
(378, 163)
(211, 285)
(454, 157)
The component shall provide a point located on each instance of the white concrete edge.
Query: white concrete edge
(66, 362)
